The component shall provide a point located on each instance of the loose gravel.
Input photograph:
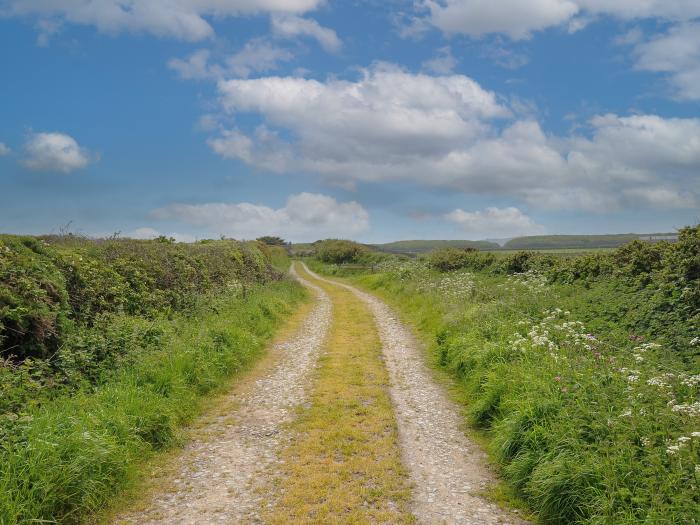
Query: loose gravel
(447, 470)
(224, 474)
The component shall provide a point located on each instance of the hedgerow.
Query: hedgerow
(106, 348)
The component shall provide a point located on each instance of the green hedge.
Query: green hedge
(66, 458)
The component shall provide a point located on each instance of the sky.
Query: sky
(375, 120)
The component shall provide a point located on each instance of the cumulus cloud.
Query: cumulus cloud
(515, 18)
(519, 19)
(182, 19)
(291, 26)
(54, 152)
(4, 150)
(306, 216)
(495, 222)
(676, 53)
(447, 131)
(258, 55)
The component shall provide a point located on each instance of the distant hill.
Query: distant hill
(422, 246)
(554, 242)
(534, 242)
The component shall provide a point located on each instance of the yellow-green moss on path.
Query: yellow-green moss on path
(344, 464)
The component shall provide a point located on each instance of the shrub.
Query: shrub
(336, 251)
(48, 287)
(449, 259)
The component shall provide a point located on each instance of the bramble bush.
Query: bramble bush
(72, 309)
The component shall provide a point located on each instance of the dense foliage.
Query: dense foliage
(583, 372)
(49, 288)
(72, 308)
(336, 251)
(136, 332)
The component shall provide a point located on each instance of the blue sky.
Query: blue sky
(374, 120)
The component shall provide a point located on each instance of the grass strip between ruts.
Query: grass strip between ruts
(344, 464)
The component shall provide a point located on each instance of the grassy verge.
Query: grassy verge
(344, 465)
(589, 421)
(68, 457)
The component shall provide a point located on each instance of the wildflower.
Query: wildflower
(645, 441)
(688, 410)
(695, 434)
(690, 381)
(672, 449)
(627, 413)
(695, 341)
(683, 439)
(657, 381)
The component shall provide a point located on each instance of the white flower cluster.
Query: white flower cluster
(552, 332)
(234, 286)
(687, 409)
(681, 442)
(457, 287)
(662, 381)
(530, 280)
(403, 270)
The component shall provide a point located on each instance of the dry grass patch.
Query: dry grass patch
(344, 465)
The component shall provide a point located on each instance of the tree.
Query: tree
(272, 240)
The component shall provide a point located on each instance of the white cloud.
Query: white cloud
(290, 26)
(500, 55)
(4, 150)
(257, 55)
(143, 233)
(388, 117)
(662, 198)
(676, 53)
(183, 19)
(151, 233)
(495, 222)
(306, 216)
(54, 152)
(520, 18)
(447, 131)
(442, 63)
(515, 18)
(194, 66)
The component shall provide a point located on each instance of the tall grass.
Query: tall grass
(66, 458)
(590, 419)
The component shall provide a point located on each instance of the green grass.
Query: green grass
(67, 458)
(343, 464)
(580, 429)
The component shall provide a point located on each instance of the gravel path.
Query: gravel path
(222, 476)
(447, 470)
